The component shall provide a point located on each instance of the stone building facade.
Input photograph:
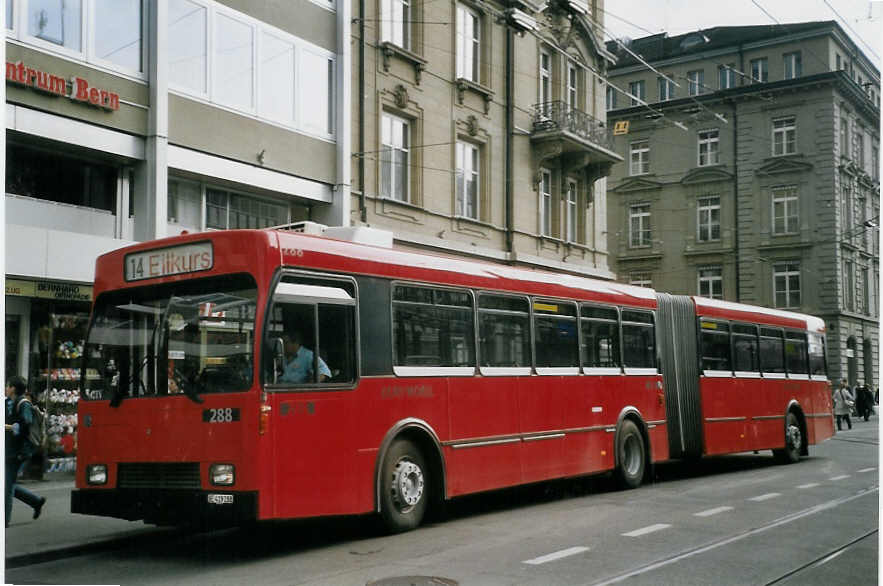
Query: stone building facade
(756, 178)
(479, 129)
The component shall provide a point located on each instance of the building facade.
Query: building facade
(128, 120)
(752, 174)
(480, 129)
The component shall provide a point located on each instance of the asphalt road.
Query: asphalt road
(739, 519)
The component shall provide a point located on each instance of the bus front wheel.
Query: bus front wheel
(630, 456)
(404, 487)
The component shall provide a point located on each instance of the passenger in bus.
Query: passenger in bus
(299, 361)
(843, 402)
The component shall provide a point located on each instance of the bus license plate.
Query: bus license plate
(220, 499)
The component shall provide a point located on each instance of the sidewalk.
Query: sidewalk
(58, 532)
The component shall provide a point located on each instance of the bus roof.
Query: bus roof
(706, 307)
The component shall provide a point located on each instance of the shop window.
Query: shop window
(54, 177)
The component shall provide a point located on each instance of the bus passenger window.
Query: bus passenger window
(745, 358)
(715, 345)
(772, 359)
(600, 333)
(555, 330)
(432, 327)
(817, 366)
(638, 339)
(795, 353)
(504, 331)
(310, 336)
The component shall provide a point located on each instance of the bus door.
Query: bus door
(310, 366)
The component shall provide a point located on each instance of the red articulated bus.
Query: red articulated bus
(246, 375)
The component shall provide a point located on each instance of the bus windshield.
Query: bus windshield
(187, 338)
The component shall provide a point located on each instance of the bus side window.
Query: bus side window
(600, 333)
(745, 358)
(432, 327)
(715, 347)
(795, 353)
(638, 339)
(555, 331)
(816, 349)
(772, 357)
(504, 331)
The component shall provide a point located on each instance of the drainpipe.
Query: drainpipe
(510, 133)
(363, 210)
(736, 197)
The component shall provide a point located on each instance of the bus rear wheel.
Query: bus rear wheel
(630, 455)
(404, 487)
(793, 441)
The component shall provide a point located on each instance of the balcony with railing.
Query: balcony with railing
(573, 130)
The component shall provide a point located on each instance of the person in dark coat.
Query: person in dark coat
(864, 400)
(19, 449)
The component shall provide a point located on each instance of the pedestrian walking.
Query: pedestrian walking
(19, 449)
(864, 400)
(843, 403)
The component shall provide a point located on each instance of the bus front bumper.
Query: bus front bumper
(214, 508)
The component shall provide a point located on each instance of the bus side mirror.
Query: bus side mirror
(278, 357)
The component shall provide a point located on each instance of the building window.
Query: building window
(844, 136)
(759, 70)
(846, 211)
(545, 77)
(572, 86)
(396, 24)
(849, 285)
(108, 33)
(792, 65)
(395, 158)
(709, 141)
(639, 162)
(860, 146)
(640, 280)
(695, 82)
(639, 226)
(611, 98)
(785, 211)
(545, 202)
(224, 57)
(786, 284)
(467, 177)
(185, 205)
(225, 210)
(839, 66)
(666, 89)
(638, 90)
(711, 282)
(875, 163)
(784, 136)
(571, 215)
(864, 305)
(708, 219)
(468, 43)
(726, 76)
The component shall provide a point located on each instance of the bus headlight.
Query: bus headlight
(96, 474)
(222, 474)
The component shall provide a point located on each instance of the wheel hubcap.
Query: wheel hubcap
(407, 485)
(631, 455)
(795, 440)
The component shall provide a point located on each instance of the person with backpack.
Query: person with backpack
(22, 440)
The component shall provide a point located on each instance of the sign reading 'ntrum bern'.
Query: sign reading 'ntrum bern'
(174, 260)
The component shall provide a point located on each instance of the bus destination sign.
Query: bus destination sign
(164, 262)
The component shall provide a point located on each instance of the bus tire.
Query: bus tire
(404, 487)
(630, 456)
(793, 440)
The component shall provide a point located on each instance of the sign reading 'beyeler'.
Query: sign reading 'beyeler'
(78, 90)
(174, 260)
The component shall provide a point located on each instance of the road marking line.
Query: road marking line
(866, 470)
(841, 477)
(711, 512)
(765, 497)
(810, 485)
(556, 556)
(723, 542)
(646, 530)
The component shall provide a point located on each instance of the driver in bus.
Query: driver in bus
(299, 361)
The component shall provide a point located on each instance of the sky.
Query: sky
(680, 16)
